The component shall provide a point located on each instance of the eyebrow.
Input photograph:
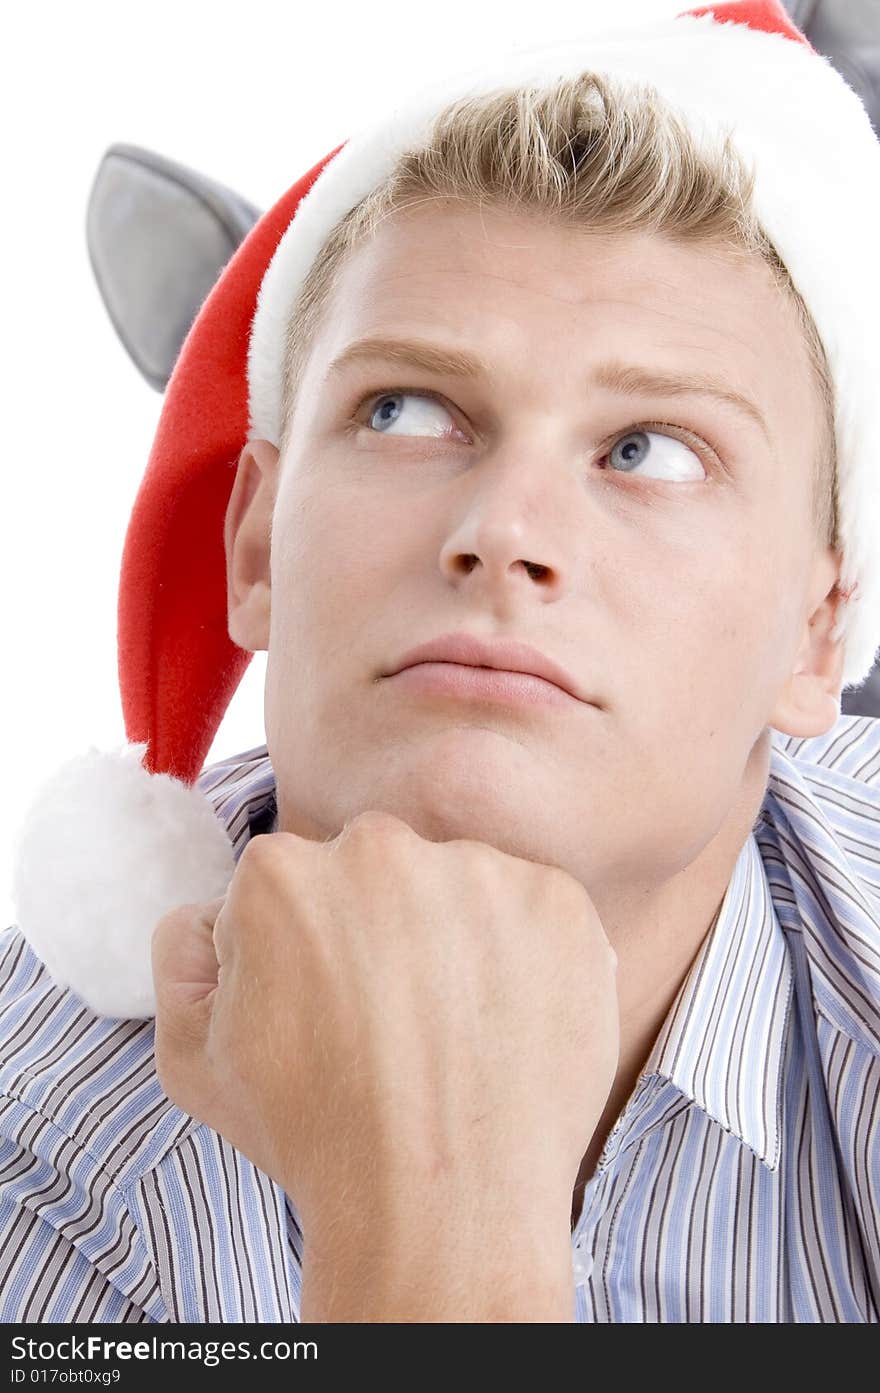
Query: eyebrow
(613, 375)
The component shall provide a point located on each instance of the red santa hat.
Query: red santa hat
(116, 839)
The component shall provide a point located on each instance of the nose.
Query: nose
(511, 528)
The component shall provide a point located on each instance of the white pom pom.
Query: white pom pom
(105, 851)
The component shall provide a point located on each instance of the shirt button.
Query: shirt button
(582, 1265)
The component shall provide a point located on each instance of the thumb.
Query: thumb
(185, 966)
(185, 974)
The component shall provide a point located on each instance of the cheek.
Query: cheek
(333, 553)
(712, 625)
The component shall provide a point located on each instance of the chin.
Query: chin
(441, 807)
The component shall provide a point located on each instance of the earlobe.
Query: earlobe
(809, 703)
(809, 706)
(247, 541)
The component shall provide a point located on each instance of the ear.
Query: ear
(247, 536)
(809, 703)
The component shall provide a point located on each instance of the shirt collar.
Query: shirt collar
(722, 1043)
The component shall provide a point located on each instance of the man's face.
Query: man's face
(658, 546)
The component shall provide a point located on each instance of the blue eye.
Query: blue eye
(422, 419)
(674, 458)
(641, 452)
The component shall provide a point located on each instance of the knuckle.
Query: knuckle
(172, 923)
(263, 861)
(259, 853)
(483, 858)
(563, 888)
(575, 905)
(374, 824)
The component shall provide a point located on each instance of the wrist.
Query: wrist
(443, 1256)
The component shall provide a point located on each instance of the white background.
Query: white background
(252, 95)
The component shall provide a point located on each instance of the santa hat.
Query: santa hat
(116, 839)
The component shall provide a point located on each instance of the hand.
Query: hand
(390, 1023)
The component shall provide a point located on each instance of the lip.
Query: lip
(509, 655)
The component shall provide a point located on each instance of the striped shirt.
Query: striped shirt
(740, 1183)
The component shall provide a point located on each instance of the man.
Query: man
(403, 1008)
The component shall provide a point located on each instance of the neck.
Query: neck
(657, 944)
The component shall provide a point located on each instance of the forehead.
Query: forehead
(502, 283)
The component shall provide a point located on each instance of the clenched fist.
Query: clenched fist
(415, 1039)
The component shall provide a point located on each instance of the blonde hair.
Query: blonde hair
(587, 153)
